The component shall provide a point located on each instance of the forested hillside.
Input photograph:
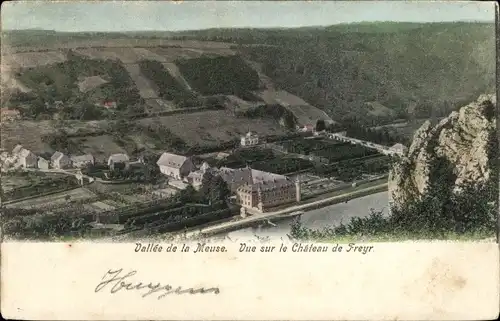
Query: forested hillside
(414, 69)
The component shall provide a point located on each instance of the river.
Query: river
(319, 218)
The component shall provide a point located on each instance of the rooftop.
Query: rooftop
(56, 156)
(17, 149)
(24, 152)
(118, 158)
(83, 158)
(171, 160)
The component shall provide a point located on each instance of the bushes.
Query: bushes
(41, 226)
(332, 151)
(282, 165)
(277, 112)
(44, 186)
(379, 136)
(179, 218)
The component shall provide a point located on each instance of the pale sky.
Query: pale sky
(189, 15)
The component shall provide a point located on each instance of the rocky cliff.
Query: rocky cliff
(463, 140)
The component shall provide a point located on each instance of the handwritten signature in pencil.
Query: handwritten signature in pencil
(119, 281)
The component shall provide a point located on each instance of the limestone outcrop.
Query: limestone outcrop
(464, 139)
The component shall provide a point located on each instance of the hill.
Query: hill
(438, 66)
(367, 73)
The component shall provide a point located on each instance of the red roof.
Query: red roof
(108, 104)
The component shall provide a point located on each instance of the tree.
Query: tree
(206, 185)
(188, 195)
(219, 191)
(320, 125)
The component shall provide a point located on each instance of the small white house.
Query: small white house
(175, 166)
(82, 160)
(43, 163)
(118, 159)
(60, 161)
(250, 139)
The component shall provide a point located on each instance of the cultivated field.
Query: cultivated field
(98, 207)
(240, 105)
(79, 194)
(30, 133)
(34, 59)
(305, 113)
(179, 53)
(122, 43)
(13, 182)
(147, 89)
(27, 133)
(210, 127)
(97, 53)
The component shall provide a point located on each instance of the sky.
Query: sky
(191, 15)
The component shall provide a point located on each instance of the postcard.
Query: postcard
(249, 160)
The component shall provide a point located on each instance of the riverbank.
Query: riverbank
(311, 205)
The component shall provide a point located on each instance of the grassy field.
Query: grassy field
(211, 127)
(305, 113)
(147, 89)
(99, 146)
(34, 59)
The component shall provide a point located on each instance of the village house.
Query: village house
(43, 163)
(120, 159)
(26, 158)
(7, 115)
(109, 104)
(175, 166)
(60, 161)
(250, 139)
(196, 178)
(82, 160)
